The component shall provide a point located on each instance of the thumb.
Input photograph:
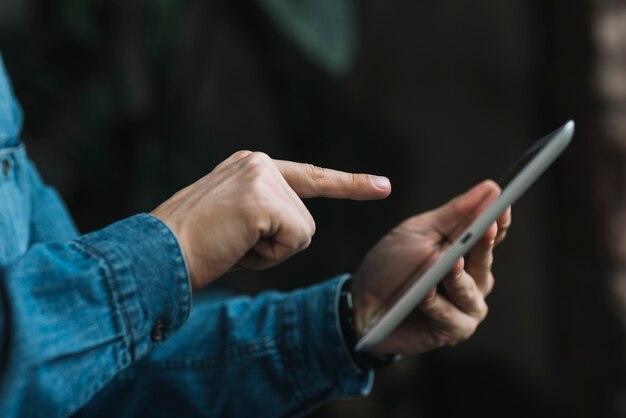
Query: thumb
(308, 180)
(459, 212)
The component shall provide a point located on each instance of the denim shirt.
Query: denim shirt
(101, 324)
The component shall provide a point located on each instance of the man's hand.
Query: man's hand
(445, 318)
(247, 212)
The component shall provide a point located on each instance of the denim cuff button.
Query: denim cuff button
(6, 166)
(158, 331)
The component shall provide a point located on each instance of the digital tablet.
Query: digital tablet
(411, 292)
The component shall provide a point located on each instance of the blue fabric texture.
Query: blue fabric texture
(101, 324)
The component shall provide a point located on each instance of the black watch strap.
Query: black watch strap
(363, 361)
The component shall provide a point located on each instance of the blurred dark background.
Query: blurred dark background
(128, 101)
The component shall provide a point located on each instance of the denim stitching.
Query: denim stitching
(182, 279)
(91, 252)
(10, 150)
(285, 329)
(238, 353)
(116, 294)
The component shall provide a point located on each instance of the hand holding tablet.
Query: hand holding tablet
(401, 272)
(445, 317)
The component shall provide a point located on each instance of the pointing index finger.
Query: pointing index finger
(308, 180)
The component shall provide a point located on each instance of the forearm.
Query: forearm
(75, 314)
(279, 354)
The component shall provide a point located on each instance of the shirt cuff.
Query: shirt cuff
(319, 359)
(148, 279)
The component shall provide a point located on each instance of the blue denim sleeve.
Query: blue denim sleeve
(275, 355)
(74, 314)
(49, 218)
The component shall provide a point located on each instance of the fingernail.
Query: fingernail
(458, 276)
(380, 182)
(492, 242)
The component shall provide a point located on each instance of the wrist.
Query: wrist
(167, 217)
(351, 329)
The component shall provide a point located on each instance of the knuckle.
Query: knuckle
(295, 242)
(466, 333)
(240, 154)
(258, 194)
(484, 311)
(258, 160)
(428, 302)
(355, 180)
(488, 259)
(257, 207)
(463, 333)
(260, 156)
(314, 172)
(293, 247)
(480, 267)
(309, 223)
(274, 256)
(255, 173)
(305, 236)
(258, 221)
(438, 341)
(280, 254)
(258, 168)
(449, 340)
(443, 314)
(465, 292)
(306, 244)
(489, 284)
